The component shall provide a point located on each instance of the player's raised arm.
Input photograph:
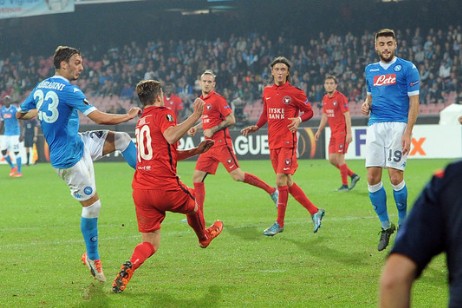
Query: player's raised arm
(203, 147)
(174, 133)
(26, 115)
(100, 117)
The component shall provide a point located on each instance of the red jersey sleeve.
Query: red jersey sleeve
(343, 102)
(303, 104)
(263, 117)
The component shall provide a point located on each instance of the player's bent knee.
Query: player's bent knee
(92, 211)
(121, 140)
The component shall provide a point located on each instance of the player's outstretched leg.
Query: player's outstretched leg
(212, 232)
(257, 182)
(141, 253)
(124, 144)
(123, 277)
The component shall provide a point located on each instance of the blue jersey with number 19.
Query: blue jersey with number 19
(391, 85)
(58, 102)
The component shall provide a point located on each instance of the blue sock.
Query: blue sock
(18, 163)
(379, 202)
(8, 160)
(401, 203)
(89, 228)
(129, 154)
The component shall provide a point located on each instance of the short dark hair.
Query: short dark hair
(148, 90)
(281, 59)
(329, 76)
(63, 53)
(385, 32)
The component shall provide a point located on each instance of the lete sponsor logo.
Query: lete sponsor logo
(384, 80)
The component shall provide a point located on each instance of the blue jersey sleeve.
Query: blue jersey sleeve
(413, 77)
(29, 103)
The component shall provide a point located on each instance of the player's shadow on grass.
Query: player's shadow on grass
(317, 248)
(95, 295)
(211, 299)
(248, 233)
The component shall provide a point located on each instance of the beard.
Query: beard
(388, 58)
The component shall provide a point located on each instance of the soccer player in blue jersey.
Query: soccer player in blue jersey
(56, 102)
(393, 104)
(11, 136)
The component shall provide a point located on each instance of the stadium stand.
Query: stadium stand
(241, 65)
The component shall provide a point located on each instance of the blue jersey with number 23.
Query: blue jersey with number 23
(58, 102)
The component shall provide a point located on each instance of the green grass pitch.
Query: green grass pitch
(41, 244)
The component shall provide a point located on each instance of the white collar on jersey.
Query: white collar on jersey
(387, 65)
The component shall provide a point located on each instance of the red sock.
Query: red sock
(256, 181)
(141, 253)
(196, 221)
(282, 204)
(199, 189)
(344, 174)
(300, 196)
(349, 171)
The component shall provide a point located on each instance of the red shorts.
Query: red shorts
(284, 160)
(152, 205)
(208, 161)
(337, 145)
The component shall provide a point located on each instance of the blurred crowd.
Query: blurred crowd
(241, 64)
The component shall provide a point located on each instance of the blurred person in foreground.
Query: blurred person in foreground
(156, 185)
(217, 118)
(12, 136)
(56, 103)
(434, 226)
(392, 102)
(335, 112)
(282, 104)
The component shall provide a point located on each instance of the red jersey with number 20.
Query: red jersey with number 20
(335, 107)
(156, 158)
(280, 104)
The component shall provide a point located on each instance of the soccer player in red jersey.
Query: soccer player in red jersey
(156, 185)
(173, 101)
(216, 119)
(335, 112)
(282, 105)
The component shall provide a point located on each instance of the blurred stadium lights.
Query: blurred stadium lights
(79, 2)
(184, 7)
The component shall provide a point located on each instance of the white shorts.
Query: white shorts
(384, 147)
(10, 143)
(80, 178)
